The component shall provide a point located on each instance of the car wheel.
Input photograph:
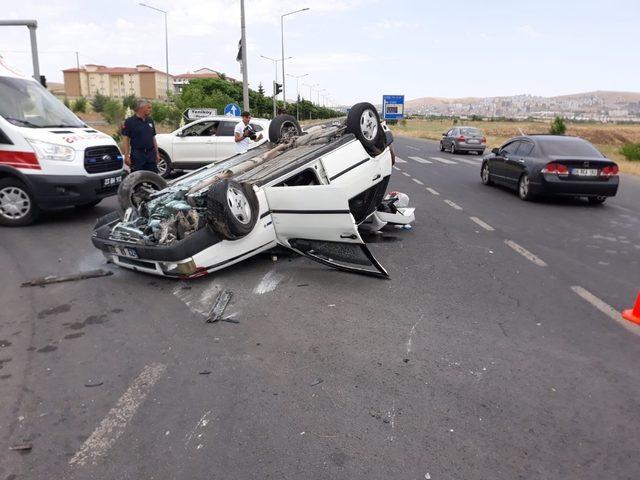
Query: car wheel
(283, 128)
(17, 205)
(232, 209)
(524, 188)
(137, 186)
(596, 200)
(480, 152)
(164, 165)
(441, 146)
(364, 122)
(453, 147)
(485, 174)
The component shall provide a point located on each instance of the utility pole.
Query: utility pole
(297, 77)
(245, 73)
(166, 43)
(79, 76)
(275, 83)
(284, 92)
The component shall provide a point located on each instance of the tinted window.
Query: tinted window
(199, 129)
(470, 131)
(525, 149)
(226, 129)
(575, 147)
(510, 148)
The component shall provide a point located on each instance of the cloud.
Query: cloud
(529, 31)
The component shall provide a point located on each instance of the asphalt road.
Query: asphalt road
(494, 352)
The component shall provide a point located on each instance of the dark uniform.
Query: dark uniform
(141, 133)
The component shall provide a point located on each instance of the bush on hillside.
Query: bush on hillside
(113, 112)
(79, 105)
(631, 151)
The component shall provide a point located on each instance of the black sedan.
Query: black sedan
(551, 165)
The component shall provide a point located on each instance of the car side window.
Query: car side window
(196, 130)
(525, 149)
(4, 139)
(225, 129)
(510, 148)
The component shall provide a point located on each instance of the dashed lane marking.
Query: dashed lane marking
(417, 181)
(468, 161)
(115, 423)
(432, 191)
(406, 174)
(396, 168)
(526, 253)
(443, 160)
(453, 204)
(399, 160)
(484, 225)
(412, 147)
(420, 160)
(605, 308)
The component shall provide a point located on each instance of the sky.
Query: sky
(352, 50)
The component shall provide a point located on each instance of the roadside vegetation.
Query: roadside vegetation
(621, 143)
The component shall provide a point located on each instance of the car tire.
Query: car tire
(284, 127)
(441, 147)
(89, 205)
(453, 147)
(524, 188)
(165, 166)
(596, 200)
(364, 122)
(107, 219)
(17, 204)
(232, 209)
(480, 152)
(485, 174)
(136, 187)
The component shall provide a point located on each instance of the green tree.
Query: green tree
(558, 127)
(98, 102)
(113, 112)
(130, 101)
(260, 89)
(79, 105)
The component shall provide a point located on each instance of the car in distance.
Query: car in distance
(463, 139)
(551, 165)
(207, 140)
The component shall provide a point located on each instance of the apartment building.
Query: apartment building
(142, 81)
(179, 81)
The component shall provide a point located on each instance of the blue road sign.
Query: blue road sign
(232, 110)
(392, 107)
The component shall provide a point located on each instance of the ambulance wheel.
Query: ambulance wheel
(17, 204)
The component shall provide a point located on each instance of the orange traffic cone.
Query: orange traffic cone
(633, 315)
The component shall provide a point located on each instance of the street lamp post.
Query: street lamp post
(311, 87)
(284, 92)
(166, 42)
(275, 63)
(297, 77)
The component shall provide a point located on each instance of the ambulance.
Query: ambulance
(49, 158)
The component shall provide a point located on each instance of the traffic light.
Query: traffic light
(277, 88)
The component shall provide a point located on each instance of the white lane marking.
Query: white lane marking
(198, 301)
(412, 147)
(484, 225)
(411, 333)
(268, 283)
(115, 423)
(605, 308)
(417, 181)
(453, 204)
(526, 253)
(443, 160)
(203, 422)
(469, 162)
(406, 174)
(396, 168)
(420, 160)
(399, 160)
(432, 191)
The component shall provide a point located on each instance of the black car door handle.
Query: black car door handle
(376, 177)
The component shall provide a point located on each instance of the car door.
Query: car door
(451, 134)
(515, 164)
(192, 145)
(499, 165)
(225, 140)
(315, 221)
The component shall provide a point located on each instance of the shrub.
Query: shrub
(631, 151)
(113, 111)
(80, 105)
(558, 127)
(130, 101)
(99, 102)
(66, 102)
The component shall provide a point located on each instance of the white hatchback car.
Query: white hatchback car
(207, 140)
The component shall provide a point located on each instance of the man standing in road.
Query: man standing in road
(243, 133)
(140, 147)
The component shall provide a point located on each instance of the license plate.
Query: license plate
(473, 141)
(126, 251)
(585, 172)
(111, 181)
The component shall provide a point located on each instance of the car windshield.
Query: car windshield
(470, 131)
(569, 147)
(28, 104)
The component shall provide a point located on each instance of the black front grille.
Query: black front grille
(102, 159)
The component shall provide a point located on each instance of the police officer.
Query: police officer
(140, 147)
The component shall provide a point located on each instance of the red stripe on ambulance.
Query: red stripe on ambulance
(22, 160)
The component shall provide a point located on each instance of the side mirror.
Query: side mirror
(495, 151)
(444, 134)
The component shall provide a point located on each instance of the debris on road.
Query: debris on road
(42, 281)
(204, 372)
(219, 306)
(317, 381)
(93, 384)
(21, 447)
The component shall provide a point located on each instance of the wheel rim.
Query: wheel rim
(239, 205)
(485, 174)
(524, 186)
(368, 124)
(453, 147)
(162, 166)
(15, 204)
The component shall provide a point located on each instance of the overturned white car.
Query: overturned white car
(307, 191)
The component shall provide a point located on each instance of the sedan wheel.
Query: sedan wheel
(485, 174)
(524, 188)
(453, 147)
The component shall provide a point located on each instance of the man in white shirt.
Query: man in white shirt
(243, 134)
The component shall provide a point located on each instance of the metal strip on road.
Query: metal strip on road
(114, 424)
(453, 204)
(399, 160)
(605, 308)
(526, 253)
(420, 160)
(443, 160)
(484, 225)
